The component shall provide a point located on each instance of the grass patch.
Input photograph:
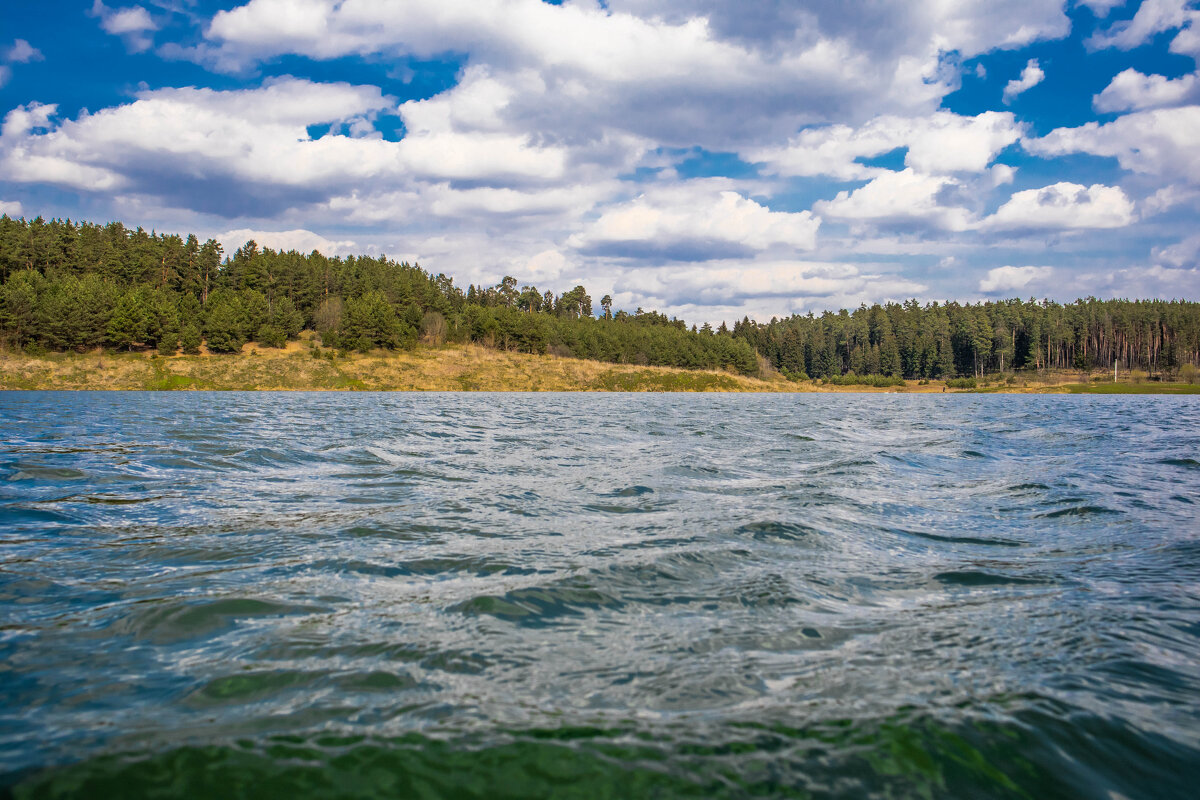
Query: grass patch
(647, 381)
(1131, 388)
(444, 368)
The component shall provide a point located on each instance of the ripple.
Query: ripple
(1079, 511)
(169, 621)
(599, 595)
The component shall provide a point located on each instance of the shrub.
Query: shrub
(271, 336)
(190, 339)
(876, 381)
(168, 343)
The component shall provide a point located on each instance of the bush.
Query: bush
(876, 381)
(961, 383)
(795, 377)
(168, 343)
(190, 339)
(271, 336)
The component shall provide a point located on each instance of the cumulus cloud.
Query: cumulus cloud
(10, 208)
(657, 69)
(906, 197)
(1006, 279)
(942, 142)
(25, 119)
(1130, 90)
(22, 52)
(234, 148)
(216, 145)
(1140, 281)
(1158, 142)
(1031, 76)
(133, 24)
(1101, 7)
(1152, 17)
(303, 241)
(523, 166)
(1063, 206)
(729, 290)
(686, 223)
(1181, 254)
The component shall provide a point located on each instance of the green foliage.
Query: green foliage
(1128, 388)
(945, 340)
(131, 320)
(70, 286)
(877, 381)
(223, 323)
(270, 336)
(190, 338)
(962, 383)
(370, 321)
(285, 316)
(168, 343)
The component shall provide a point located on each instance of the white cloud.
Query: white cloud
(1132, 91)
(1101, 7)
(303, 241)
(1167, 198)
(1181, 254)
(939, 143)
(22, 52)
(1153, 16)
(517, 169)
(689, 223)
(1160, 142)
(195, 137)
(11, 208)
(1187, 41)
(24, 119)
(1063, 206)
(133, 24)
(904, 197)
(1031, 76)
(730, 289)
(1140, 281)
(658, 69)
(1005, 279)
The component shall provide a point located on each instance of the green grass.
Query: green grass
(1132, 388)
(649, 381)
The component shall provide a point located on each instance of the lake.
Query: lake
(598, 595)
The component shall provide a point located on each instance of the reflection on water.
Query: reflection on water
(598, 595)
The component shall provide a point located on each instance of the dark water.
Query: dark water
(267, 595)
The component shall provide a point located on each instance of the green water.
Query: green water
(255, 595)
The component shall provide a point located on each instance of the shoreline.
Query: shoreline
(455, 368)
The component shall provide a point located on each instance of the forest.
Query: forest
(79, 286)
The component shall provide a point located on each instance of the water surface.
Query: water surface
(506, 595)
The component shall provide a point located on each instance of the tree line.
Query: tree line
(944, 340)
(77, 286)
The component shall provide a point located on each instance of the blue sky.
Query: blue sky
(708, 159)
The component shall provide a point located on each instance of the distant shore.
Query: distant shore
(302, 367)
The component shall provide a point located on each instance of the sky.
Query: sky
(705, 158)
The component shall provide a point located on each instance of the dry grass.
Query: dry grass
(302, 366)
(449, 368)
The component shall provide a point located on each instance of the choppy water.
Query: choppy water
(290, 595)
